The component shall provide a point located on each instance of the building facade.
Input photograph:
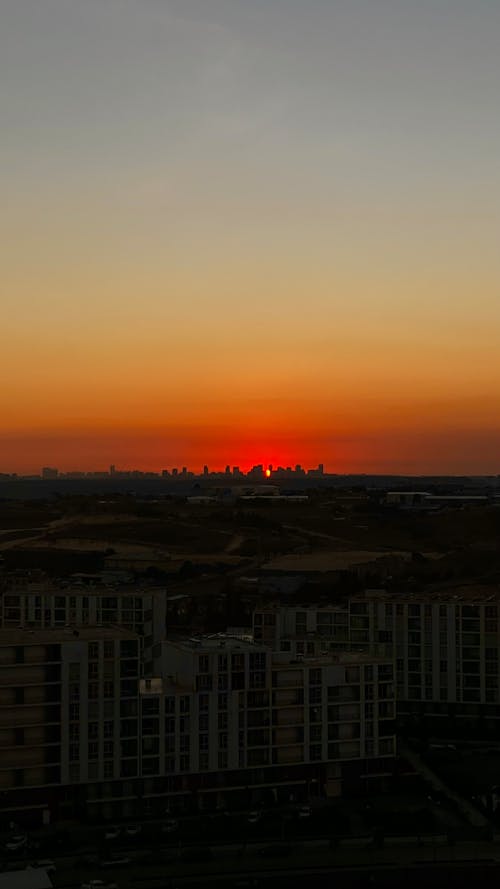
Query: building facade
(230, 722)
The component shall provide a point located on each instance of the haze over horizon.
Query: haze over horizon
(251, 232)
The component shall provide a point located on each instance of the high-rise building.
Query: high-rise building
(50, 472)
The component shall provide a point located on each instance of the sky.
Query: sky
(245, 231)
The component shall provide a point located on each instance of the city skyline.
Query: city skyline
(260, 229)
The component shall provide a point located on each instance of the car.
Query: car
(170, 826)
(119, 861)
(133, 830)
(304, 812)
(112, 832)
(255, 816)
(98, 884)
(17, 842)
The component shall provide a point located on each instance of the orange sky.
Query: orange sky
(235, 237)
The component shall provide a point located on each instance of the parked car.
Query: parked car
(112, 832)
(98, 884)
(17, 842)
(304, 812)
(255, 816)
(170, 826)
(133, 830)
(119, 861)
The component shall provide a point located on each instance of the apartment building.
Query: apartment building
(230, 722)
(445, 644)
(44, 604)
(68, 720)
(302, 629)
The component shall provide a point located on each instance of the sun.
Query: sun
(268, 473)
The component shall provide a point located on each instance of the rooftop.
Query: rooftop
(216, 641)
(54, 635)
(479, 593)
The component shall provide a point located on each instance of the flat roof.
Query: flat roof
(37, 589)
(216, 642)
(51, 635)
(479, 593)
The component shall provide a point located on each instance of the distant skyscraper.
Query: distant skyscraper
(112, 469)
(49, 472)
(205, 470)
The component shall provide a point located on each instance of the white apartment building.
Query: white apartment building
(302, 629)
(229, 719)
(44, 605)
(445, 644)
(68, 718)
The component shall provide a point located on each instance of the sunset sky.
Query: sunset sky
(244, 231)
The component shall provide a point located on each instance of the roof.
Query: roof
(217, 641)
(473, 593)
(54, 635)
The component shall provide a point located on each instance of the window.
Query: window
(93, 730)
(204, 682)
(74, 732)
(203, 663)
(109, 649)
(315, 695)
(258, 661)
(109, 748)
(184, 704)
(170, 704)
(109, 689)
(93, 650)
(93, 750)
(203, 762)
(109, 729)
(184, 743)
(203, 742)
(222, 702)
(222, 759)
(222, 721)
(221, 663)
(223, 740)
(315, 677)
(109, 769)
(184, 762)
(315, 752)
(203, 722)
